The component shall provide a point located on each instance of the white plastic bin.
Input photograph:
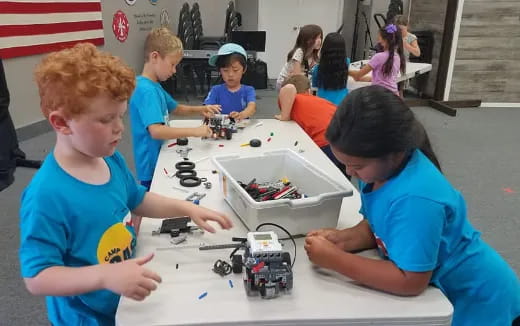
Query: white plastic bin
(320, 209)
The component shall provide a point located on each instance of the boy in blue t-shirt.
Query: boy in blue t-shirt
(77, 239)
(235, 99)
(151, 105)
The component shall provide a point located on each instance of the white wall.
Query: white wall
(25, 108)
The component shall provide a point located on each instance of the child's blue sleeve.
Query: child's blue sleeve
(413, 233)
(250, 94)
(135, 191)
(149, 108)
(43, 233)
(347, 60)
(171, 104)
(212, 97)
(314, 76)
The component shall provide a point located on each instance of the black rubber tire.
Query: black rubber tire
(236, 264)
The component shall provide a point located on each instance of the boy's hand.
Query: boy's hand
(211, 110)
(202, 131)
(321, 251)
(130, 278)
(238, 116)
(201, 215)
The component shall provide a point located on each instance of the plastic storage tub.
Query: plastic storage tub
(319, 209)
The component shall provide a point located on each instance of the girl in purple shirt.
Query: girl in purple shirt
(385, 66)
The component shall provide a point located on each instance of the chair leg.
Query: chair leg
(182, 79)
(191, 76)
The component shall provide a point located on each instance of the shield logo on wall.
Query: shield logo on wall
(120, 26)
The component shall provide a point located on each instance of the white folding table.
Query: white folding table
(319, 297)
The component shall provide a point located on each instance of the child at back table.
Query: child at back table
(235, 99)
(410, 44)
(304, 55)
(385, 66)
(311, 113)
(412, 214)
(77, 240)
(151, 105)
(331, 74)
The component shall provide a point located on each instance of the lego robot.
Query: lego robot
(222, 126)
(268, 268)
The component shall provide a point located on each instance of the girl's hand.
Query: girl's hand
(238, 116)
(278, 116)
(211, 110)
(339, 238)
(321, 251)
(130, 279)
(200, 215)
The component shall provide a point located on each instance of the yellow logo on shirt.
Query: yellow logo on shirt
(117, 243)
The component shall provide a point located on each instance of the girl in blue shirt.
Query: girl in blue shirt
(412, 215)
(331, 74)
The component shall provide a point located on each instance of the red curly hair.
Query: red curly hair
(67, 79)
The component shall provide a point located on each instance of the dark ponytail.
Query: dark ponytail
(373, 122)
(423, 143)
(392, 35)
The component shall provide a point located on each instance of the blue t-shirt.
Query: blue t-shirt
(332, 95)
(66, 222)
(231, 101)
(149, 104)
(420, 224)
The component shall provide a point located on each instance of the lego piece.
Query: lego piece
(255, 142)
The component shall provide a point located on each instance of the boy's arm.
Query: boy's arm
(286, 100)
(128, 278)
(250, 109)
(164, 132)
(158, 206)
(204, 110)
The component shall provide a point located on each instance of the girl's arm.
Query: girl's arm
(413, 48)
(359, 237)
(382, 275)
(360, 75)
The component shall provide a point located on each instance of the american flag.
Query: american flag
(38, 26)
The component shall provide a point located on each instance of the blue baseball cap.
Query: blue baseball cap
(226, 49)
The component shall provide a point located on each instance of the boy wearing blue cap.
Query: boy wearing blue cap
(235, 99)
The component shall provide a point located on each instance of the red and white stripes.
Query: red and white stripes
(30, 27)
